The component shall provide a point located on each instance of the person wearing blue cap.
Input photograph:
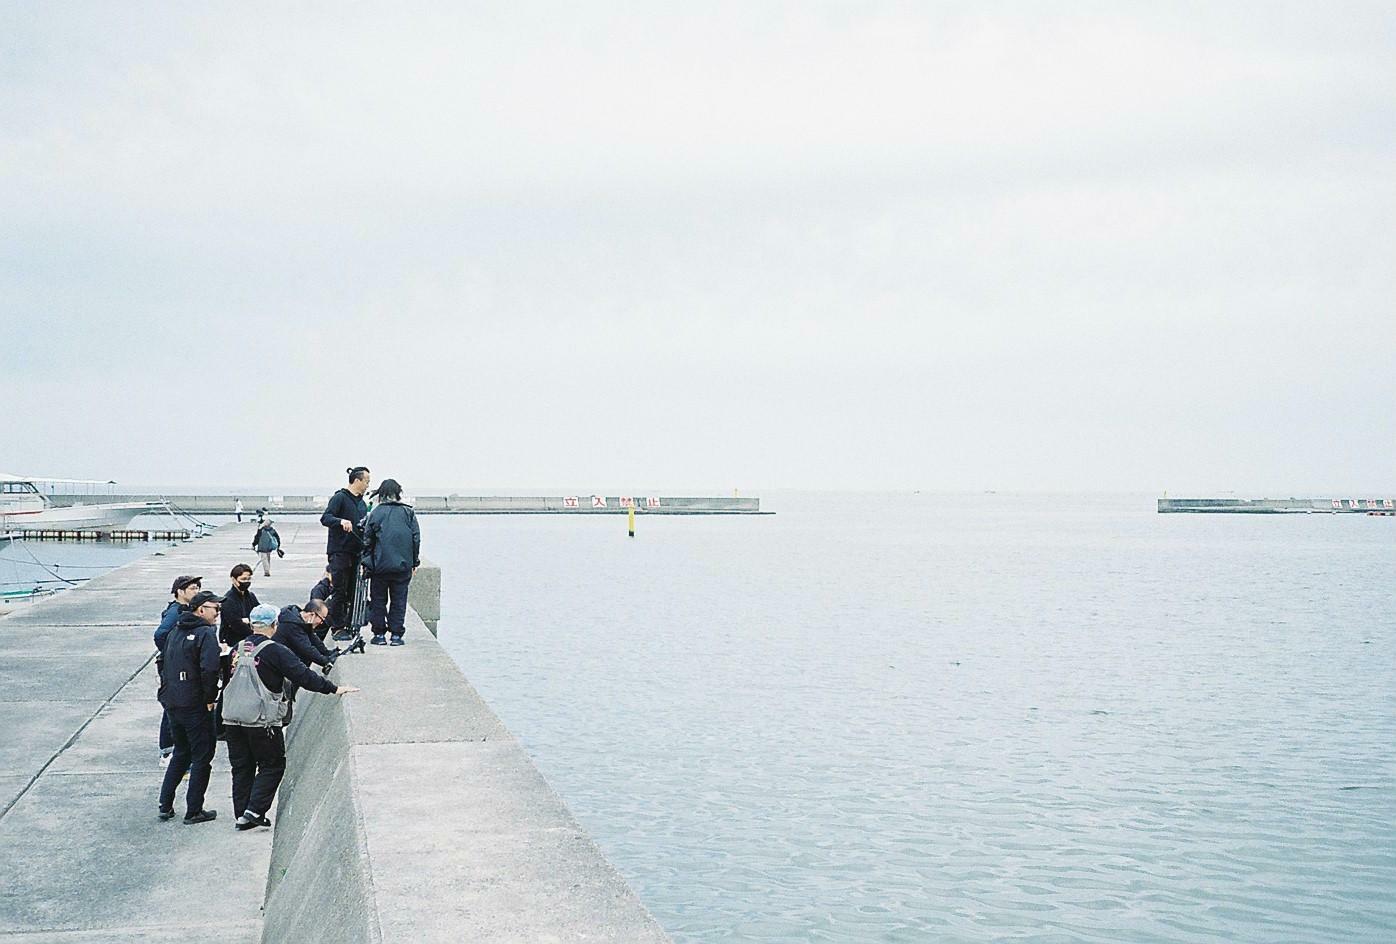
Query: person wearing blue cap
(256, 744)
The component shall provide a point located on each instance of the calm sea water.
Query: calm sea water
(956, 718)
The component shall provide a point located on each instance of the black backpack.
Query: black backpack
(180, 686)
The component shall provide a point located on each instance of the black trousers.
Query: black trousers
(344, 571)
(258, 759)
(385, 615)
(193, 752)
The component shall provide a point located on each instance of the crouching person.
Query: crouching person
(255, 711)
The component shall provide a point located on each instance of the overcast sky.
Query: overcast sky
(615, 247)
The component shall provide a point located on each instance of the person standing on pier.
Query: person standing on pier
(237, 509)
(394, 550)
(256, 745)
(266, 542)
(189, 690)
(234, 620)
(344, 516)
(183, 590)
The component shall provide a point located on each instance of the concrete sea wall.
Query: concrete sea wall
(409, 813)
(1275, 506)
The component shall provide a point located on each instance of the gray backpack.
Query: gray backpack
(247, 702)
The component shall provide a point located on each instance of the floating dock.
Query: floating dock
(119, 534)
(1277, 506)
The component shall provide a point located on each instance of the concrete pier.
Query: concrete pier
(408, 812)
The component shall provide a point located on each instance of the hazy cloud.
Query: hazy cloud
(882, 245)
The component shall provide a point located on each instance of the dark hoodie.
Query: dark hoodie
(344, 506)
(189, 671)
(394, 540)
(295, 634)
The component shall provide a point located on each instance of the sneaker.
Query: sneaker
(397, 641)
(166, 815)
(379, 640)
(203, 816)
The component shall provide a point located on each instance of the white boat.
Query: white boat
(24, 508)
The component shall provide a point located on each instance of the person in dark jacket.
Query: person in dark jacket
(188, 690)
(324, 590)
(266, 542)
(258, 754)
(295, 630)
(234, 621)
(394, 551)
(183, 590)
(344, 517)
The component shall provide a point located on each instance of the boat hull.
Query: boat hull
(100, 517)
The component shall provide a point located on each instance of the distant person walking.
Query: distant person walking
(394, 543)
(237, 509)
(266, 542)
(256, 709)
(189, 690)
(344, 517)
(183, 590)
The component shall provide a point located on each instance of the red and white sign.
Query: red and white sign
(627, 502)
(1337, 503)
(651, 502)
(571, 502)
(598, 502)
(1387, 503)
(1352, 502)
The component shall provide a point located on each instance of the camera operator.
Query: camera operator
(343, 517)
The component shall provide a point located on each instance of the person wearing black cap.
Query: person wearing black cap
(344, 517)
(188, 690)
(183, 590)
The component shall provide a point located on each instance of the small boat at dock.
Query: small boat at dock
(23, 507)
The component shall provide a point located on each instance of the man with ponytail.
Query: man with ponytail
(344, 516)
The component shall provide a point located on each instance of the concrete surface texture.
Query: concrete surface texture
(408, 812)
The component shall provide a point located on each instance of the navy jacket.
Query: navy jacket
(198, 685)
(173, 611)
(344, 505)
(294, 633)
(322, 590)
(393, 539)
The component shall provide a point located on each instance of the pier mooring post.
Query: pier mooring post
(630, 519)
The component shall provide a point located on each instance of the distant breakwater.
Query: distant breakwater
(451, 504)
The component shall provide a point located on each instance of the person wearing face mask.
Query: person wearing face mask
(234, 621)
